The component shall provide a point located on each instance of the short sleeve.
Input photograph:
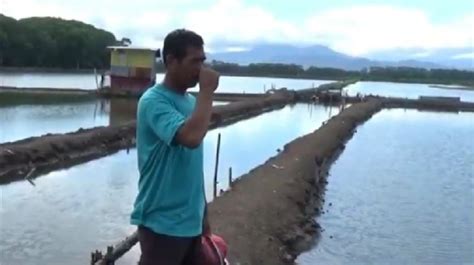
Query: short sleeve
(164, 119)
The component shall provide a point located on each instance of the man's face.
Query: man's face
(187, 69)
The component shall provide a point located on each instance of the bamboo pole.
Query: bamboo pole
(217, 163)
(114, 253)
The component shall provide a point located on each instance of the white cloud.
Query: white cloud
(224, 24)
(232, 21)
(365, 29)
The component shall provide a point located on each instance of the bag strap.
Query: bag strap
(221, 259)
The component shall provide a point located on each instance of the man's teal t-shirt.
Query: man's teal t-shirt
(170, 199)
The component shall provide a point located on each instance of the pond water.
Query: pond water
(50, 80)
(402, 192)
(404, 90)
(27, 120)
(93, 201)
(88, 81)
(22, 121)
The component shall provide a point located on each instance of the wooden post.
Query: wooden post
(96, 81)
(109, 256)
(217, 163)
(230, 177)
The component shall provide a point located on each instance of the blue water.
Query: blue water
(243, 84)
(93, 201)
(26, 120)
(22, 121)
(402, 192)
(88, 81)
(403, 90)
(50, 80)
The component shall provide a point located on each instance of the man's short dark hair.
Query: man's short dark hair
(177, 41)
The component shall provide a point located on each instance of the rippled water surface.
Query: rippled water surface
(401, 193)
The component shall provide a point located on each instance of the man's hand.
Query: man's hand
(208, 80)
(196, 126)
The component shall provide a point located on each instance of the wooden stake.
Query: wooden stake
(114, 253)
(217, 163)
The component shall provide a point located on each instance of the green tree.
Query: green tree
(53, 42)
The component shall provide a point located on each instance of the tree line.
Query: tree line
(46, 42)
(53, 43)
(275, 70)
(397, 74)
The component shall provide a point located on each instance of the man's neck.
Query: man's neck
(170, 83)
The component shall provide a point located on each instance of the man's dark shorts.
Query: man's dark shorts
(158, 249)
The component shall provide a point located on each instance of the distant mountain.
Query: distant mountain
(316, 55)
(461, 58)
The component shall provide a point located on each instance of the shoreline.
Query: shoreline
(46, 90)
(455, 87)
(38, 70)
(34, 156)
(55, 151)
(42, 70)
(65, 95)
(287, 192)
(289, 186)
(468, 84)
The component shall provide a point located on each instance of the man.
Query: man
(171, 125)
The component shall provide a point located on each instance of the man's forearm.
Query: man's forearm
(195, 128)
(201, 116)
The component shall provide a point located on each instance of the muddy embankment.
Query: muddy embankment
(268, 216)
(309, 94)
(16, 96)
(231, 97)
(12, 95)
(428, 104)
(422, 103)
(41, 70)
(219, 96)
(45, 91)
(38, 155)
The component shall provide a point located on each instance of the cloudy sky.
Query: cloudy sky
(350, 26)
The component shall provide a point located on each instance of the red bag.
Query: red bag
(213, 250)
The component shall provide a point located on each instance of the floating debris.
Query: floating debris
(8, 151)
(277, 167)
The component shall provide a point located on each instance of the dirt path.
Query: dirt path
(268, 216)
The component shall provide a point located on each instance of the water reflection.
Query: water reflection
(22, 121)
(405, 90)
(261, 137)
(88, 81)
(401, 193)
(122, 110)
(27, 120)
(50, 80)
(242, 84)
(38, 223)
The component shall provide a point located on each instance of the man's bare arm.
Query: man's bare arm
(195, 128)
